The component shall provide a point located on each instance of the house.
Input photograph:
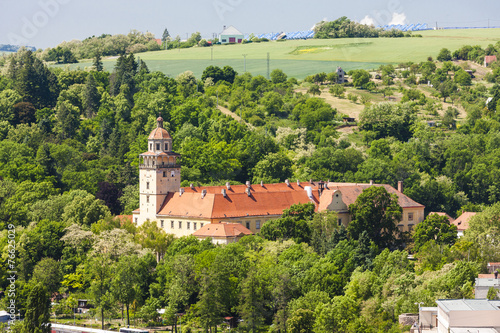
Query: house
(222, 233)
(341, 75)
(183, 211)
(230, 35)
(462, 222)
(460, 316)
(483, 283)
(451, 219)
(493, 266)
(489, 59)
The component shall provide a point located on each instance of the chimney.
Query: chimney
(287, 182)
(247, 190)
(400, 186)
(223, 27)
(321, 185)
(228, 186)
(298, 182)
(248, 183)
(224, 192)
(262, 183)
(181, 191)
(191, 186)
(203, 193)
(371, 182)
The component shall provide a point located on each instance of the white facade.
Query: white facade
(159, 174)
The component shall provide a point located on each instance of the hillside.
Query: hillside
(299, 58)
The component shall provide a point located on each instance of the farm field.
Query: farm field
(299, 58)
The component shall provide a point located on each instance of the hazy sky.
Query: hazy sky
(46, 23)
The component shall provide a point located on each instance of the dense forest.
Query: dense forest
(69, 146)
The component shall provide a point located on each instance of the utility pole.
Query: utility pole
(245, 62)
(268, 77)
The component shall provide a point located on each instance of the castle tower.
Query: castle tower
(159, 173)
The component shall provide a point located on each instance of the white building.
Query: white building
(230, 35)
(461, 316)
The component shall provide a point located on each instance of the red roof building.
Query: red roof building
(489, 59)
(462, 222)
(190, 210)
(222, 233)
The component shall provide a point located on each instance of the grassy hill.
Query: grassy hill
(303, 57)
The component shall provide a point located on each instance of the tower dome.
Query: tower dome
(159, 133)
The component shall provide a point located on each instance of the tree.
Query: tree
(446, 88)
(48, 273)
(215, 72)
(91, 97)
(97, 64)
(125, 284)
(435, 227)
(278, 76)
(314, 90)
(492, 294)
(301, 321)
(293, 224)
(462, 78)
(444, 55)
(37, 319)
(274, 167)
(165, 36)
(228, 74)
(377, 212)
(360, 77)
(68, 120)
(389, 119)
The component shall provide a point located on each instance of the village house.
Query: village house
(188, 210)
(230, 35)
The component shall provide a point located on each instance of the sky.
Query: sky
(46, 23)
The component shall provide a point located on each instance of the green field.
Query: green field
(303, 57)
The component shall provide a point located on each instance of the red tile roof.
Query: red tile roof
(489, 59)
(451, 219)
(264, 200)
(158, 134)
(462, 222)
(222, 230)
(350, 193)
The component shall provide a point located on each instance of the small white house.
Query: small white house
(230, 35)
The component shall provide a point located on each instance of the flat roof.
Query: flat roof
(466, 305)
(473, 329)
(487, 282)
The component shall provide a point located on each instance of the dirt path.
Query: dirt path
(228, 112)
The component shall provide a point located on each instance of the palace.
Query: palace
(183, 211)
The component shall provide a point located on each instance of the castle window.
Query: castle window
(147, 198)
(410, 227)
(136, 220)
(171, 224)
(157, 146)
(248, 225)
(201, 224)
(172, 173)
(166, 146)
(340, 222)
(400, 227)
(164, 174)
(161, 223)
(150, 146)
(188, 226)
(153, 162)
(410, 216)
(194, 225)
(180, 224)
(147, 186)
(257, 224)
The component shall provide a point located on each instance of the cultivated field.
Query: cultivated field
(300, 58)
